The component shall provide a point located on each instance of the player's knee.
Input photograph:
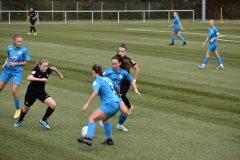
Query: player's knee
(53, 105)
(14, 92)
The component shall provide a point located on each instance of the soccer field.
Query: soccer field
(183, 114)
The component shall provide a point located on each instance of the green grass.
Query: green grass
(183, 113)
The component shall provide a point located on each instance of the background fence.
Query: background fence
(230, 7)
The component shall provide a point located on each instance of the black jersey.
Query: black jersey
(38, 86)
(32, 14)
(127, 63)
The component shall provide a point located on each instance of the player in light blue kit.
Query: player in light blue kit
(105, 88)
(213, 35)
(176, 29)
(117, 74)
(17, 58)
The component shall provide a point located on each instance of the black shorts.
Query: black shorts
(30, 98)
(32, 22)
(125, 85)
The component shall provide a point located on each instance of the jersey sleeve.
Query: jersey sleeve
(217, 32)
(96, 85)
(128, 77)
(50, 70)
(133, 63)
(106, 73)
(33, 72)
(26, 55)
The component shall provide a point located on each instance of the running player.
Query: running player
(32, 16)
(36, 90)
(213, 35)
(117, 74)
(176, 29)
(105, 88)
(17, 58)
(127, 64)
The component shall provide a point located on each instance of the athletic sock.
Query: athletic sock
(122, 119)
(48, 113)
(34, 29)
(219, 60)
(172, 39)
(205, 61)
(22, 115)
(108, 129)
(181, 38)
(91, 130)
(31, 29)
(17, 103)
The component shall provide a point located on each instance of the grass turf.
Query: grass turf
(183, 113)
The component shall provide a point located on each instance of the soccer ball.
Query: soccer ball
(84, 131)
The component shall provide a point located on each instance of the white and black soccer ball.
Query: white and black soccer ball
(84, 131)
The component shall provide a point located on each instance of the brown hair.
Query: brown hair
(40, 62)
(16, 36)
(98, 69)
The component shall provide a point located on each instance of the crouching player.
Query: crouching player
(36, 90)
(105, 88)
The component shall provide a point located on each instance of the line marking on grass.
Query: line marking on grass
(191, 33)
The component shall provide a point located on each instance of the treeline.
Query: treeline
(230, 7)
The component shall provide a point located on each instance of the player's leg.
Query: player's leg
(181, 38)
(4, 78)
(172, 38)
(96, 115)
(29, 100)
(108, 132)
(206, 59)
(33, 27)
(219, 59)
(16, 79)
(123, 116)
(125, 85)
(51, 107)
(2, 85)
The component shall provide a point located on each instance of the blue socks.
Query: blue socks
(206, 59)
(17, 103)
(181, 38)
(91, 129)
(122, 119)
(108, 129)
(219, 60)
(172, 39)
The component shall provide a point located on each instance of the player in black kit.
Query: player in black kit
(36, 90)
(127, 63)
(32, 17)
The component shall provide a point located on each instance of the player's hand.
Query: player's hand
(61, 77)
(13, 64)
(84, 108)
(44, 80)
(136, 91)
(212, 40)
(4, 65)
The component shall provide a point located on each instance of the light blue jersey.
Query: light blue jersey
(117, 77)
(17, 55)
(213, 33)
(176, 23)
(106, 89)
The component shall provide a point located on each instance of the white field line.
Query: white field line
(191, 33)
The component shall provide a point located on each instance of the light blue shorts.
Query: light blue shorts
(212, 47)
(110, 109)
(7, 74)
(176, 30)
